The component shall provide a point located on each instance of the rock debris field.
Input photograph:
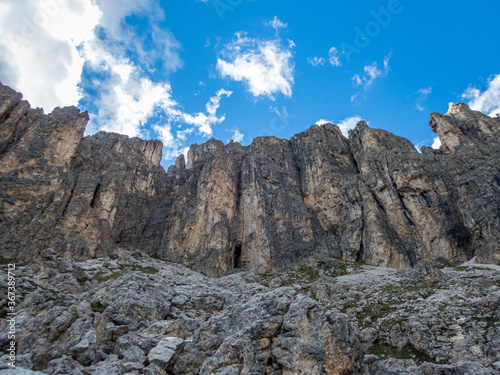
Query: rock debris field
(133, 314)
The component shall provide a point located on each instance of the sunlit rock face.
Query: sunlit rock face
(370, 197)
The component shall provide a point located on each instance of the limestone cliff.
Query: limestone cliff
(263, 207)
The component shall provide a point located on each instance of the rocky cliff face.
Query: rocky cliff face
(261, 208)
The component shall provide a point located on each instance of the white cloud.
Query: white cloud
(126, 107)
(237, 135)
(282, 114)
(264, 65)
(436, 144)
(182, 134)
(39, 41)
(348, 124)
(345, 125)
(322, 121)
(423, 93)
(276, 24)
(204, 122)
(371, 73)
(315, 61)
(426, 91)
(333, 57)
(46, 46)
(487, 101)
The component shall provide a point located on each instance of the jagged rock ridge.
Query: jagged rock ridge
(263, 207)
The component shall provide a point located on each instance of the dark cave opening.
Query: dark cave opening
(237, 256)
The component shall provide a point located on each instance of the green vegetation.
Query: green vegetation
(399, 290)
(97, 307)
(4, 261)
(105, 276)
(378, 311)
(305, 274)
(35, 285)
(148, 270)
(344, 267)
(302, 274)
(384, 351)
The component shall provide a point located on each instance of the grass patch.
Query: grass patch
(102, 277)
(97, 307)
(376, 312)
(5, 261)
(304, 274)
(344, 267)
(384, 351)
(351, 304)
(35, 285)
(148, 270)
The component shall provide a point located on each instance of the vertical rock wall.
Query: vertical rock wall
(263, 207)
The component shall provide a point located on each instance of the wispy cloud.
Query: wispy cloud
(333, 57)
(371, 73)
(265, 66)
(315, 61)
(487, 101)
(282, 114)
(422, 96)
(276, 24)
(204, 121)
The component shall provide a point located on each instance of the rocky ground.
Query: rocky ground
(133, 314)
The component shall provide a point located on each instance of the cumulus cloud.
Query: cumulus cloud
(487, 101)
(345, 125)
(39, 41)
(322, 121)
(69, 52)
(265, 66)
(237, 135)
(371, 73)
(436, 144)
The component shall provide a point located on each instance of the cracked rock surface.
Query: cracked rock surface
(140, 315)
(262, 208)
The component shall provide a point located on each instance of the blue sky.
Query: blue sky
(185, 71)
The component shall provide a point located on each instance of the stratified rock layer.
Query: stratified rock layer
(263, 207)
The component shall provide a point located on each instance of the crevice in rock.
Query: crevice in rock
(69, 200)
(95, 197)
(237, 256)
